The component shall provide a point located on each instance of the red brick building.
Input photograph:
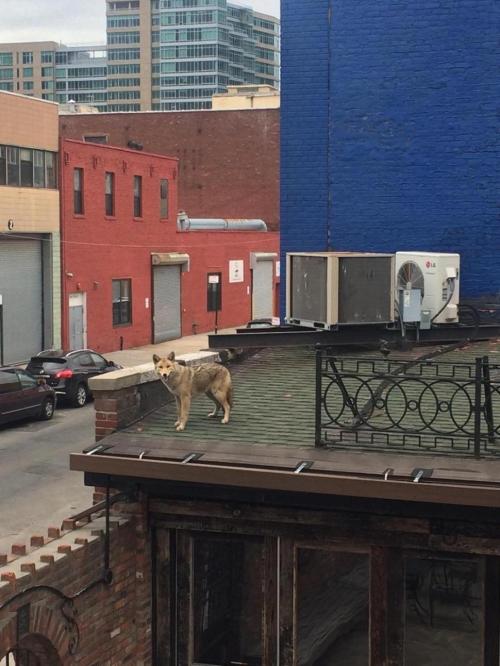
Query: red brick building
(229, 160)
(129, 276)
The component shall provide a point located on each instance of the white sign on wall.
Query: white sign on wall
(236, 270)
(213, 279)
(278, 269)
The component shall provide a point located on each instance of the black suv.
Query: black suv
(68, 372)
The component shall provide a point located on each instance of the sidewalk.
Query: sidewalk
(140, 355)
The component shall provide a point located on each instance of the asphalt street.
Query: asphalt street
(37, 489)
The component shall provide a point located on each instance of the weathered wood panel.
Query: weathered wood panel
(491, 627)
(184, 596)
(163, 596)
(387, 610)
(332, 603)
(282, 515)
(270, 608)
(287, 624)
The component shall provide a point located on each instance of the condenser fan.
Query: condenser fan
(410, 276)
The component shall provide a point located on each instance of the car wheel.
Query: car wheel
(47, 410)
(80, 397)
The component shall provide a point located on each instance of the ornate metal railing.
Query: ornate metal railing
(439, 407)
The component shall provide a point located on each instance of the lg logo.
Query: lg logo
(10, 225)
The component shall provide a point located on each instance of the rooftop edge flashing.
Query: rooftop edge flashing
(455, 493)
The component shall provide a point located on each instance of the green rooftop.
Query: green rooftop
(274, 404)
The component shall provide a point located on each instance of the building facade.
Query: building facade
(29, 227)
(388, 132)
(170, 56)
(55, 72)
(229, 161)
(130, 276)
(159, 55)
(247, 97)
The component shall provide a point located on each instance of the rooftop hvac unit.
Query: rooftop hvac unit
(328, 289)
(437, 276)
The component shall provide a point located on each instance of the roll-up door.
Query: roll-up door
(21, 292)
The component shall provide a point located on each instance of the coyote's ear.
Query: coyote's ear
(156, 358)
(171, 356)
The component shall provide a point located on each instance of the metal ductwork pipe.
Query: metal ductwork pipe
(185, 223)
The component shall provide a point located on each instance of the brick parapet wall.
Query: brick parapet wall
(124, 396)
(115, 410)
(114, 621)
(229, 160)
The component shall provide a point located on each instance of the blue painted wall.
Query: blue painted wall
(390, 129)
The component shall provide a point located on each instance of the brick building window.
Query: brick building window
(163, 198)
(96, 138)
(122, 302)
(109, 197)
(137, 196)
(78, 191)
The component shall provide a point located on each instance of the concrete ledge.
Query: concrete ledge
(144, 374)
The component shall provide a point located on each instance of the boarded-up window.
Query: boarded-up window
(444, 612)
(332, 608)
(228, 601)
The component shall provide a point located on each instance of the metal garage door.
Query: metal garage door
(262, 291)
(167, 302)
(21, 291)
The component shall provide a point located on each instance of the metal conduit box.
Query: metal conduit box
(329, 289)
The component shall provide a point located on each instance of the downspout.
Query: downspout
(329, 209)
(62, 247)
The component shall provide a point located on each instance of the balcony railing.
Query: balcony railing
(431, 406)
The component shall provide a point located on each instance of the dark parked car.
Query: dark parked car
(68, 372)
(21, 396)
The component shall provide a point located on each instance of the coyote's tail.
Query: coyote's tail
(230, 396)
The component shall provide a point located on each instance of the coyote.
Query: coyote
(185, 382)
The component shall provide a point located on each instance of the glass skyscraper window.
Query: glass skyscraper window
(155, 48)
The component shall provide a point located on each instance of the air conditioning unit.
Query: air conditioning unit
(437, 276)
(328, 289)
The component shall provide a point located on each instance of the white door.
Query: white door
(77, 321)
(167, 302)
(262, 289)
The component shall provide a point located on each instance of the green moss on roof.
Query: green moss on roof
(274, 402)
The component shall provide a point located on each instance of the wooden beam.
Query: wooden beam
(270, 610)
(252, 512)
(184, 597)
(164, 596)
(340, 534)
(387, 607)
(491, 625)
(288, 600)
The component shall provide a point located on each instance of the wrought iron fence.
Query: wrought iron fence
(377, 403)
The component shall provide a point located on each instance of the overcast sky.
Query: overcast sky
(72, 21)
